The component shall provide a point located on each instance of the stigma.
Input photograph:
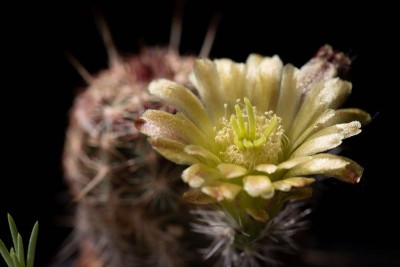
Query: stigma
(249, 137)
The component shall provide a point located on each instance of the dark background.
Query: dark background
(352, 225)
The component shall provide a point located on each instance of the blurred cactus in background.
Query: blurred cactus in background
(128, 206)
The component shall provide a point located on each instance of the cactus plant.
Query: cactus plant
(128, 210)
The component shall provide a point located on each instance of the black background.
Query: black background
(355, 225)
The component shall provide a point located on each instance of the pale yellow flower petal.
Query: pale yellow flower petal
(258, 186)
(229, 171)
(266, 168)
(221, 191)
(346, 129)
(331, 117)
(331, 165)
(287, 184)
(208, 85)
(290, 96)
(322, 96)
(199, 173)
(156, 123)
(318, 145)
(266, 92)
(282, 186)
(349, 115)
(172, 150)
(315, 126)
(253, 62)
(293, 162)
(232, 82)
(184, 101)
(327, 138)
(203, 154)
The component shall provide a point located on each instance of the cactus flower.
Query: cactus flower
(257, 128)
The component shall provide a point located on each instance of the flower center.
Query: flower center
(249, 138)
(246, 136)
